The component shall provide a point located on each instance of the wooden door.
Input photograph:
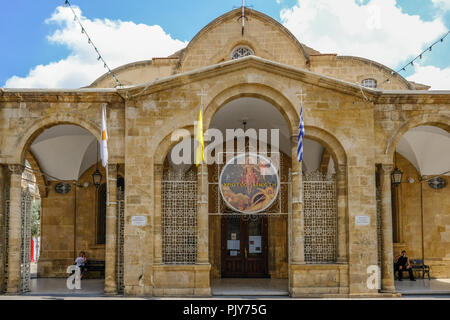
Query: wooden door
(244, 247)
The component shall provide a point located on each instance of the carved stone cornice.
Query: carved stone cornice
(386, 169)
(16, 168)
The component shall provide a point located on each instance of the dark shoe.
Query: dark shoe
(412, 279)
(399, 279)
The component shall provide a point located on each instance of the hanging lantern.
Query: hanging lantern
(396, 177)
(97, 178)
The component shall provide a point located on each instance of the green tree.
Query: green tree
(36, 218)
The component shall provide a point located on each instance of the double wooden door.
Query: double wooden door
(244, 246)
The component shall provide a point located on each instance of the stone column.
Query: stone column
(387, 273)
(297, 225)
(15, 234)
(157, 224)
(342, 243)
(111, 231)
(202, 215)
(2, 226)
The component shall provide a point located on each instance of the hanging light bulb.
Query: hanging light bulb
(430, 48)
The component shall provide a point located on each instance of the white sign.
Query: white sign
(138, 221)
(362, 220)
(74, 280)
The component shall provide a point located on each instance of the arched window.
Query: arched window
(241, 51)
(369, 83)
(101, 214)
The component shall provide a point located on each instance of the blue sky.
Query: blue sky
(42, 47)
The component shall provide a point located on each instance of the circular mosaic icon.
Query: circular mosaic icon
(249, 183)
(62, 188)
(437, 183)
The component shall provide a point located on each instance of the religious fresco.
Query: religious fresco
(249, 183)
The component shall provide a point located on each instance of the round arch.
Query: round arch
(236, 13)
(27, 138)
(329, 141)
(166, 144)
(251, 90)
(439, 121)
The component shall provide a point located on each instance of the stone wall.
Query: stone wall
(355, 69)
(267, 38)
(59, 219)
(3, 185)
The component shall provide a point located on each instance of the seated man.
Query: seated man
(401, 264)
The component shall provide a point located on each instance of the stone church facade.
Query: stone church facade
(311, 235)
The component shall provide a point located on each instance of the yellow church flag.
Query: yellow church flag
(199, 138)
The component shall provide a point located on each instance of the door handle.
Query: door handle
(245, 252)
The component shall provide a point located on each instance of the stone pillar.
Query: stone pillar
(202, 215)
(111, 231)
(157, 227)
(2, 226)
(387, 273)
(15, 234)
(297, 221)
(342, 223)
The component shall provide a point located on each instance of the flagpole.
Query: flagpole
(106, 169)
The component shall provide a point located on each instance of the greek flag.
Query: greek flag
(301, 133)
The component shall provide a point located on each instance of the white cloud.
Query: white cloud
(438, 79)
(377, 29)
(119, 42)
(443, 4)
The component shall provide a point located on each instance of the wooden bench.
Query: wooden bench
(419, 266)
(95, 269)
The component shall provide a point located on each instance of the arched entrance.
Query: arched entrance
(420, 201)
(260, 245)
(59, 160)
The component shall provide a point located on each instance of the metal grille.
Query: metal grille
(6, 234)
(120, 239)
(320, 212)
(179, 215)
(25, 244)
(240, 52)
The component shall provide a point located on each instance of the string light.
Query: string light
(411, 63)
(83, 31)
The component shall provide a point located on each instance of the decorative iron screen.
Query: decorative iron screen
(120, 238)
(320, 212)
(179, 215)
(241, 52)
(25, 244)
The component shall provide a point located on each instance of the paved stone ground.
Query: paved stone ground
(423, 286)
(228, 289)
(249, 287)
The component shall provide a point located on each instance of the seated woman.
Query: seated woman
(80, 262)
(402, 264)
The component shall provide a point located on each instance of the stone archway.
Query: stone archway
(440, 121)
(419, 149)
(24, 141)
(16, 275)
